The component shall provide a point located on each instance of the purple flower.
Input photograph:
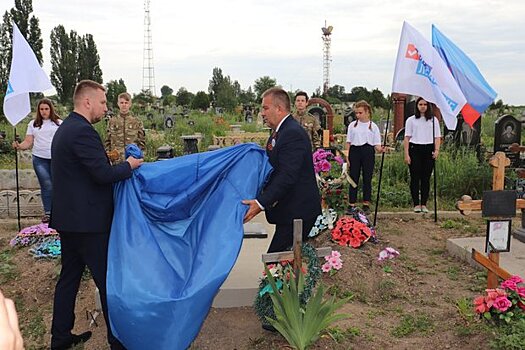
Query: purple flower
(338, 159)
(325, 165)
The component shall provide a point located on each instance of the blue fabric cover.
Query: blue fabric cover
(133, 150)
(177, 231)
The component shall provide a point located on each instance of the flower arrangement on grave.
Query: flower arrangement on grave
(503, 304)
(353, 230)
(282, 273)
(333, 263)
(325, 220)
(331, 179)
(32, 235)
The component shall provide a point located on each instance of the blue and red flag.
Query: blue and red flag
(477, 91)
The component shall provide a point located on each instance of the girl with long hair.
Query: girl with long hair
(421, 144)
(39, 135)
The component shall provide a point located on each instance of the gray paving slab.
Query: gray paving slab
(513, 261)
(242, 283)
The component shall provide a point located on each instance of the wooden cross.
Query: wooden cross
(466, 205)
(295, 253)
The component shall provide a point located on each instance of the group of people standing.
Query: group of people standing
(76, 178)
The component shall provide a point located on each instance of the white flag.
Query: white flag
(25, 76)
(422, 72)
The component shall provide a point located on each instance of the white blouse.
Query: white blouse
(363, 133)
(420, 130)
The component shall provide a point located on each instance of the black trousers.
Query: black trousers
(78, 251)
(421, 166)
(283, 236)
(362, 159)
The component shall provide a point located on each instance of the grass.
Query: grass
(8, 270)
(339, 335)
(410, 325)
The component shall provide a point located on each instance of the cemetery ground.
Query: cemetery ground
(419, 300)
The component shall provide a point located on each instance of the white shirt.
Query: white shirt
(42, 137)
(363, 133)
(420, 130)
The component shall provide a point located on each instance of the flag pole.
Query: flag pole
(434, 166)
(17, 185)
(381, 167)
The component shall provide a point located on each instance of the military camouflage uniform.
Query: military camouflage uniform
(312, 127)
(123, 130)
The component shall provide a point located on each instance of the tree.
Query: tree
(88, 59)
(262, 84)
(200, 101)
(165, 90)
(184, 97)
(222, 91)
(64, 55)
(377, 99)
(30, 29)
(144, 98)
(247, 96)
(73, 58)
(113, 89)
(217, 79)
(338, 92)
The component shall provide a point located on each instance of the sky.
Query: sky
(248, 39)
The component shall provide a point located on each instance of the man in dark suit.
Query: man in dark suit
(82, 208)
(291, 191)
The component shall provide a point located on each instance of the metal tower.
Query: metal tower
(148, 72)
(327, 41)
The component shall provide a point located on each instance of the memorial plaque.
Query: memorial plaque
(498, 236)
(499, 204)
(507, 131)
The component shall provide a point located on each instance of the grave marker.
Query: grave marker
(498, 162)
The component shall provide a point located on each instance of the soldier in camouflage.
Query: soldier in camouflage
(122, 130)
(307, 121)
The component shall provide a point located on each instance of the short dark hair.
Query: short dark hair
(301, 93)
(84, 85)
(126, 96)
(280, 97)
(428, 113)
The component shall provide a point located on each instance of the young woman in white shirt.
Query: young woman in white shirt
(362, 141)
(39, 135)
(421, 144)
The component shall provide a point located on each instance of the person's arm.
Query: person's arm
(141, 135)
(406, 142)
(316, 139)
(91, 154)
(26, 144)
(292, 152)
(107, 142)
(10, 336)
(437, 144)
(437, 138)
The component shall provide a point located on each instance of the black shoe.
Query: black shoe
(269, 327)
(74, 340)
(366, 210)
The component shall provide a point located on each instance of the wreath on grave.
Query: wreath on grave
(281, 271)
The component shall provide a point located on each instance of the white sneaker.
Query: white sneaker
(424, 209)
(417, 209)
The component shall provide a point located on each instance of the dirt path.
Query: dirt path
(407, 303)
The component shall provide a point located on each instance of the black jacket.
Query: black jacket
(291, 192)
(82, 178)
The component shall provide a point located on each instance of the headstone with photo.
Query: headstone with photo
(507, 131)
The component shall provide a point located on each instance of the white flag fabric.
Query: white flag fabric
(422, 72)
(25, 76)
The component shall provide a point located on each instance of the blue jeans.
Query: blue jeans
(42, 168)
